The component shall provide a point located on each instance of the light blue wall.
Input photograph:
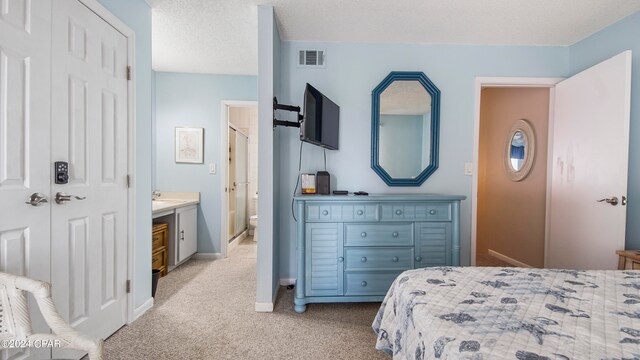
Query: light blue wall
(278, 164)
(194, 100)
(621, 36)
(267, 269)
(137, 15)
(351, 73)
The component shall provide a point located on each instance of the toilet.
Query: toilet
(253, 219)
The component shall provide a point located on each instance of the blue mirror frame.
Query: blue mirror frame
(375, 127)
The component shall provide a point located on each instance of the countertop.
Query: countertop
(173, 200)
(379, 197)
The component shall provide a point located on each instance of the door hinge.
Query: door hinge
(128, 72)
(128, 181)
(128, 286)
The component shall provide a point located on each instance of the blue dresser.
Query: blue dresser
(351, 248)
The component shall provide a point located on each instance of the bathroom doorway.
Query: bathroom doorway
(240, 173)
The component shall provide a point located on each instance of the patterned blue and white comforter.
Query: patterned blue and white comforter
(511, 313)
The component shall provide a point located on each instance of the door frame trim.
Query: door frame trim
(513, 82)
(223, 169)
(131, 312)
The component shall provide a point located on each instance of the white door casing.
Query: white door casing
(89, 130)
(25, 55)
(589, 163)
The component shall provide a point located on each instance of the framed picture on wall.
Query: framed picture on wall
(189, 145)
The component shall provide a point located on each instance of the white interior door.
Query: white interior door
(232, 184)
(89, 131)
(242, 181)
(25, 55)
(589, 163)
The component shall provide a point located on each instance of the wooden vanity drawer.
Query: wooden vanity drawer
(393, 234)
(369, 283)
(320, 212)
(158, 259)
(423, 212)
(159, 236)
(365, 258)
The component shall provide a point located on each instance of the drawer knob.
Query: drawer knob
(359, 212)
(418, 258)
(340, 259)
(363, 284)
(398, 212)
(395, 234)
(325, 212)
(395, 259)
(432, 211)
(364, 259)
(363, 234)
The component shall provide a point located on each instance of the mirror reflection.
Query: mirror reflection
(518, 150)
(405, 129)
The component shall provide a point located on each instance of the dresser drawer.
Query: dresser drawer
(369, 283)
(157, 259)
(320, 212)
(363, 258)
(378, 234)
(423, 212)
(158, 240)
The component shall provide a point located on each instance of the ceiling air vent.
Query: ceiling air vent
(311, 58)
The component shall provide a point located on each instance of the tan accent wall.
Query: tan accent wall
(511, 215)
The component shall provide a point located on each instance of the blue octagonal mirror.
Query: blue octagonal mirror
(405, 118)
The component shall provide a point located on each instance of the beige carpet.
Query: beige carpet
(205, 310)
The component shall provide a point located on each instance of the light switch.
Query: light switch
(212, 168)
(468, 169)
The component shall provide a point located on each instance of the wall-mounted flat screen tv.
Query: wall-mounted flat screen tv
(321, 122)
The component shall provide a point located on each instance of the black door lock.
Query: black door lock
(62, 172)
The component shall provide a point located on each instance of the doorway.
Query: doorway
(511, 214)
(586, 168)
(485, 200)
(240, 173)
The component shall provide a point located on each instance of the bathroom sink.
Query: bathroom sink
(166, 203)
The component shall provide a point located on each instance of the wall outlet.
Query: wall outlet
(468, 169)
(212, 168)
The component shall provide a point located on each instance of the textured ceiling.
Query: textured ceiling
(220, 36)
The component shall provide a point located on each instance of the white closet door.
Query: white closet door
(25, 55)
(589, 163)
(89, 130)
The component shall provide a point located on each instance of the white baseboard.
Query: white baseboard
(268, 306)
(505, 258)
(287, 282)
(140, 310)
(264, 307)
(207, 256)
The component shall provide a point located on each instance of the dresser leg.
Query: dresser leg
(300, 308)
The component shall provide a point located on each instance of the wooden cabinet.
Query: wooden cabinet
(350, 249)
(159, 240)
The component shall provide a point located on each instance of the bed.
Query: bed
(511, 313)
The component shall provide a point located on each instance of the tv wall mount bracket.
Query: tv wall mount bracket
(291, 108)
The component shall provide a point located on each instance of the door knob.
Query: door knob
(613, 201)
(62, 197)
(36, 199)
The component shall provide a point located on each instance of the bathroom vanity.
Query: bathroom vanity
(351, 248)
(180, 212)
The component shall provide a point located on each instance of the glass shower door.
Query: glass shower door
(242, 181)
